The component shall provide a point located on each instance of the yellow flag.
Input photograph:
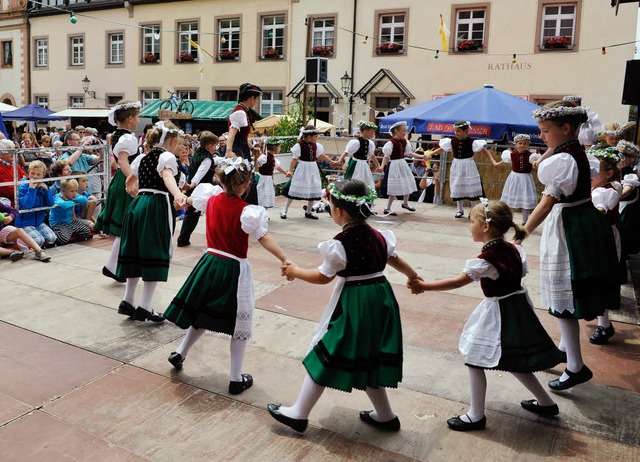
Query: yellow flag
(444, 35)
(200, 58)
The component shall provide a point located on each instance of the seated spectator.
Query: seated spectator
(6, 170)
(17, 236)
(14, 255)
(59, 168)
(28, 142)
(78, 158)
(58, 135)
(47, 155)
(61, 217)
(84, 213)
(31, 195)
(430, 185)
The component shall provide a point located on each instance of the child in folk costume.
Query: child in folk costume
(145, 251)
(124, 147)
(218, 294)
(361, 152)
(629, 223)
(578, 267)
(465, 177)
(306, 183)
(503, 332)
(267, 163)
(610, 134)
(398, 178)
(605, 195)
(359, 340)
(519, 190)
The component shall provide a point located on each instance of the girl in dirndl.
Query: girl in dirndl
(398, 178)
(578, 264)
(218, 294)
(267, 163)
(503, 332)
(359, 340)
(629, 223)
(145, 250)
(361, 152)
(124, 147)
(465, 182)
(306, 182)
(519, 191)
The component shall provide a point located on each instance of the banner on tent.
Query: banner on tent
(477, 130)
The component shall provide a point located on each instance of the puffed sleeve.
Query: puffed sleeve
(262, 160)
(277, 164)
(408, 148)
(168, 160)
(390, 238)
(334, 257)
(534, 157)
(631, 179)
(387, 149)
(183, 180)
(295, 151)
(218, 161)
(201, 195)
(126, 143)
(523, 258)
(255, 220)
(477, 268)
(352, 147)
(238, 119)
(478, 145)
(135, 165)
(445, 144)
(605, 198)
(559, 174)
(372, 149)
(319, 149)
(506, 156)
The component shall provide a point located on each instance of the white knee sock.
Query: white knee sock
(237, 349)
(604, 320)
(112, 262)
(148, 289)
(390, 201)
(570, 340)
(193, 335)
(309, 206)
(405, 201)
(287, 204)
(525, 215)
(310, 393)
(130, 290)
(532, 384)
(478, 382)
(382, 408)
(459, 206)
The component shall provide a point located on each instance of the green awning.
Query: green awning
(202, 110)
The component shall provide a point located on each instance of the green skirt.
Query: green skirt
(145, 249)
(208, 298)
(363, 344)
(111, 217)
(350, 169)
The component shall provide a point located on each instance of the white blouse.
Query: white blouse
(127, 143)
(167, 160)
(263, 160)
(335, 257)
(238, 119)
(476, 145)
(478, 268)
(295, 151)
(506, 156)
(387, 149)
(354, 145)
(559, 174)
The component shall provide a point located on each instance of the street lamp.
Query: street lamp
(85, 87)
(345, 85)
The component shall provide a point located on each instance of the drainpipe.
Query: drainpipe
(353, 63)
(28, 56)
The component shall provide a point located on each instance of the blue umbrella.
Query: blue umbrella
(31, 113)
(492, 113)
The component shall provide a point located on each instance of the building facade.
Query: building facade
(14, 62)
(393, 55)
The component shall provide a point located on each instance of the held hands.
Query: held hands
(180, 202)
(288, 269)
(417, 285)
(288, 174)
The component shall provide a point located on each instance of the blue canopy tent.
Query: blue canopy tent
(31, 113)
(492, 113)
(2, 129)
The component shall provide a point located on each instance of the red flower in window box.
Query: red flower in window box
(389, 47)
(559, 41)
(469, 45)
(150, 58)
(322, 50)
(271, 53)
(228, 55)
(185, 57)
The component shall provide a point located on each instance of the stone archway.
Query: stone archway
(8, 98)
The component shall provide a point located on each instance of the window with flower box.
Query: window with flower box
(323, 37)
(272, 43)
(41, 49)
(470, 28)
(557, 26)
(229, 43)
(391, 31)
(150, 43)
(188, 31)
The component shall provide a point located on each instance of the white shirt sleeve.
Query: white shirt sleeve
(135, 165)
(319, 149)
(295, 151)
(391, 240)
(506, 156)
(631, 179)
(262, 160)
(335, 257)
(168, 160)
(277, 164)
(238, 119)
(127, 143)
(478, 145)
(605, 198)
(254, 220)
(183, 180)
(372, 149)
(445, 144)
(387, 149)
(523, 258)
(559, 174)
(204, 167)
(408, 148)
(477, 268)
(352, 147)
(201, 195)
(534, 157)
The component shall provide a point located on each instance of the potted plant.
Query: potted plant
(469, 45)
(228, 55)
(389, 48)
(322, 50)
(270, 53)
(185, 57)
(150, 58)
(559, 41)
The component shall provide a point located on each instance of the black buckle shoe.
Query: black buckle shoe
(459, 215)
(575, 378)
(235, 388)
(109, 274)
(532, 405)
(183, 244)
(143, 315)
(176, 360)
(311, 216)
(408, 207)
(126, 309)
(392, 425)
(299, 425)
(389, 213)
(283, 215)
(459, 425)
(602, 335)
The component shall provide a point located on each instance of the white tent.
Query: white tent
(6, 108)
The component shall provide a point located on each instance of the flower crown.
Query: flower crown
(485, 203)
(612, 132)
(120, 107)
(627, 147)
(608, 153)
(358, 200)
(365, 125)
(520, 137)
(572, 98)
(239, 164)
(463, 124)
(310, 130)
(557, 112)
(394, 127)
(273, 142)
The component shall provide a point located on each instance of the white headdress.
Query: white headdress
(397, 125)
(557, 112)
(309, 130)
(165, 130)
(238, 163)
(463, 124)
(119, 107)
(520, 137)
(485, 203)
(628, 148)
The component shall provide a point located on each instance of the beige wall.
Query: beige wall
(13, 84)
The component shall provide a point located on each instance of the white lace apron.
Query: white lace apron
(169, 212)
(245, 296)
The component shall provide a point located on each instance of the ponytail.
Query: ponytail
(520, 230)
